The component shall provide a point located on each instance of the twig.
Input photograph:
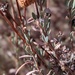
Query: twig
(19, 14)
(34, 51)
(13, 14)
(31, 72)
(27, 62)
(5, 18)
(37, 9)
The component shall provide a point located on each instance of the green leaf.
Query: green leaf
(43, 37)
(26, 37)
(70, 3)
(73, 13)
(66, 2)
(34, 16)
(46, 39)
(73, 4)
(39, 51)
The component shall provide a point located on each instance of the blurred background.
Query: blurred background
(10, 51)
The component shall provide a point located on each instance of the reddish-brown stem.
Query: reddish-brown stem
(13, 17)
(18, 10)
(40, 6)
(16, 24)
(38, 56)
(13, 11)
(25, 14)
(20, 17)
(6, 19)
(37, 10)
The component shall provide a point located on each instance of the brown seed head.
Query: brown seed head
(25, 3)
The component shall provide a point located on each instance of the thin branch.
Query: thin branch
(19, 13)
(37, 9)
(18, 10)
(31, 72)
(27, 62)
(6, 19)
(13, 14)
